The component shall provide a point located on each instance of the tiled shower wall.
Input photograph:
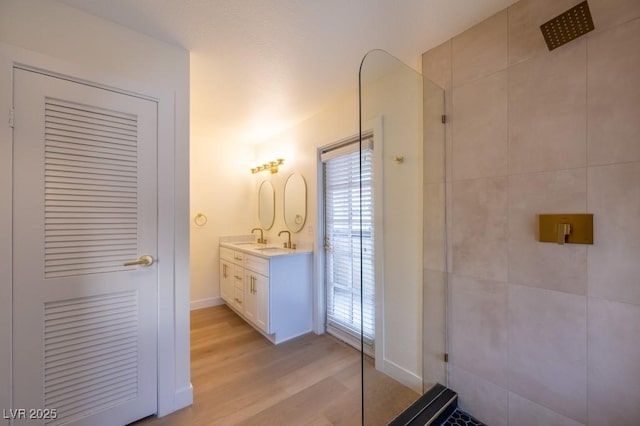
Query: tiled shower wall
(543, 334)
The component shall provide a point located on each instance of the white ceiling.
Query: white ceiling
(260, 66)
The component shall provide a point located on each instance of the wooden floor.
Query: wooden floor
(241, 378)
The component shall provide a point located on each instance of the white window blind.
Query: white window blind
(348, 204)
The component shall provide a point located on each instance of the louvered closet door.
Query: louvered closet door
(85, 325)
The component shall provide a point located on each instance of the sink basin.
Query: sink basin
(269, 248)
(245, 243)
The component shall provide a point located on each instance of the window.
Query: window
(348, 213)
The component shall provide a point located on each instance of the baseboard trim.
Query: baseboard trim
(403, 375)
(205, 303)
(184, 397)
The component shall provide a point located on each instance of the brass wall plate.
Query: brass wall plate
(581, 228)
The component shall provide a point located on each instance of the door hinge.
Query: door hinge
(11, 118)
(446, 357)
(444, 118)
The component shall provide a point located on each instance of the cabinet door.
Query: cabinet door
(257, 300)
(250, 305)
(261, 294)
(226, 281)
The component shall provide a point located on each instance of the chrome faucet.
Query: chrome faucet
(261, 240)
(288, 243)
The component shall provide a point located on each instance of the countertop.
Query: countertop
(262, 250)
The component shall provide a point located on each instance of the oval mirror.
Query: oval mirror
(266, 205)
(295, 202)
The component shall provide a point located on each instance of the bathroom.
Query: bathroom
(531, 326)
(536, 333)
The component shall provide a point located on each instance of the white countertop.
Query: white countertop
(262, 250)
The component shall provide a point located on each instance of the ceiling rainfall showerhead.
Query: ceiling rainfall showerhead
(567, 26)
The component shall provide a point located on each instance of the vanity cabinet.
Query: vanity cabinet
(232, 277)
(272, 292)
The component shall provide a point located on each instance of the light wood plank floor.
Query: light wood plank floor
(241, 378)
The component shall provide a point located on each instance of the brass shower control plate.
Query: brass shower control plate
(553, 226)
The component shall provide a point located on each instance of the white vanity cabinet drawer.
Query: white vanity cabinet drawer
(257, 264)
(238, 257)
(238, 277)
(238, 299)
(227, 254)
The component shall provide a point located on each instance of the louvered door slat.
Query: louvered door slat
(81, 154)
(61, 123)
(64, 178)
(58, 174)
(88, 149)
(76, 130)
(88, 215)
(95, 140)
(90, 352)
(89, 111)
(58, 164)
(63, 114)
(77, 390)
(84, 138)
(65, 332)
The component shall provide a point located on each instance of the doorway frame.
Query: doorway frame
(174, 384)
(375, 127)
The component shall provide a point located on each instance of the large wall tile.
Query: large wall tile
(484, 400)
(434, 133)
(546, 265)
(525, 18)
(449, 225)
(481, 50)
(547, 111)
(434, 326)
(548, 349)
(479, 327)
(480, 134)
(613, 260)
(436, 65)
(480, 228)
(448, 107)
(607, 13)
(614, 363)
(523, 412)
(434, 243)
(614, 95)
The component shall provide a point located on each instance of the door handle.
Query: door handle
(145, 260)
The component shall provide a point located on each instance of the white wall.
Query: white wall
(220, 190)
(128, 60)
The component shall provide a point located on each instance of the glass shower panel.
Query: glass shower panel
(402, 115)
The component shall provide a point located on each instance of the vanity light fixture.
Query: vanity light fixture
(272, 166)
